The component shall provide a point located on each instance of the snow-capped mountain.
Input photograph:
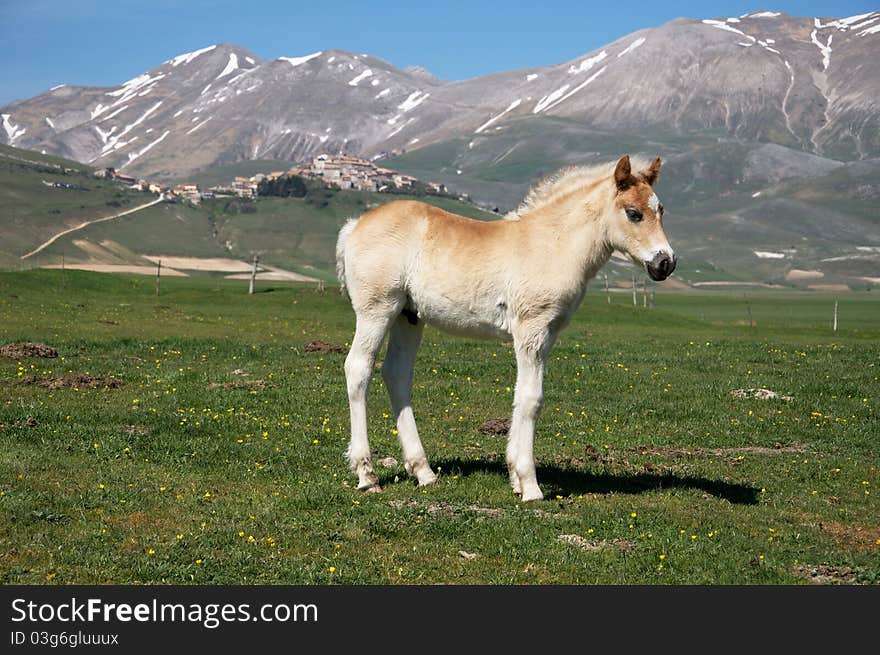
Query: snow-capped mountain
(806, 83)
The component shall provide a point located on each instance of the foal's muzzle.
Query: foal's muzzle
(661, 266)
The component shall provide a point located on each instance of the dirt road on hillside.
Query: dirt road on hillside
(52, 240)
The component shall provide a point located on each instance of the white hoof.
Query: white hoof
(515, 483)
(371, 488)
(420, 470)
(532, 494)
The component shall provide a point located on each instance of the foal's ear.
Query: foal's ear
(623, 174)
(653, 172)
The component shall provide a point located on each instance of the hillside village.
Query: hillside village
(340, 171)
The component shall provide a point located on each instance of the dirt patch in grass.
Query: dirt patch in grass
(448, 509)
(29, 422)
(240, 384)
(853, 537)
(324, 347)
(74, 381)
(824, 574)
(587, 544)
(759, 394)
(495, 426)
(27, 349)
(591, 454)
(718, 452)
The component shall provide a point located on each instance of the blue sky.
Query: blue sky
(104, 43)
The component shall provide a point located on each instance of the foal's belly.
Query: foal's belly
(464, 317)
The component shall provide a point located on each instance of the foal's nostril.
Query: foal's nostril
(674, 262)
(663, 265)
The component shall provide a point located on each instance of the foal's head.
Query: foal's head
(636, 226)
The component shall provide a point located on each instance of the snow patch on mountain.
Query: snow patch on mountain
(824, 48)
(12, 131)
(199, 125)
(632, 46)
(134, 155)
(727, 28)
(187, 57)
(364, 75)
(844, 24)
(115, 113)
(297, 61)
(513, 105)
(104, 135)
(114, 143)
(578, 87)
(407, 122)
(231, 65)
(587, 64)
(547, 100)
(414, 100)
(98, 110)
(130, 89)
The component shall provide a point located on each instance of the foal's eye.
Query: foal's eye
(633, 214)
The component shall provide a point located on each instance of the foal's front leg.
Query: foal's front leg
(527, 401)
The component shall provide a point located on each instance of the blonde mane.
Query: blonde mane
(563, 182)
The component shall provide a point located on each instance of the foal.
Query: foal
(406, 264)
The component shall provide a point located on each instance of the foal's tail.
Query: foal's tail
(344, 233)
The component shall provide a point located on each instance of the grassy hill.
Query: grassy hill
(294, 234)
(31, 208)
(297, 234)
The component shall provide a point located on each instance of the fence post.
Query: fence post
(835, 316)
(635, 298)
(607, 293)
(253, 275)
(158, 275)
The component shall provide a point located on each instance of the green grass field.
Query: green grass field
(220, 460)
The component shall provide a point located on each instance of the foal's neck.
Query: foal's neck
(574, 229)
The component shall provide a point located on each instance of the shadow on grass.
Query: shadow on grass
(566, 481)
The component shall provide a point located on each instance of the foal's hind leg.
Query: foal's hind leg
(397, 371)
(368, 337)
